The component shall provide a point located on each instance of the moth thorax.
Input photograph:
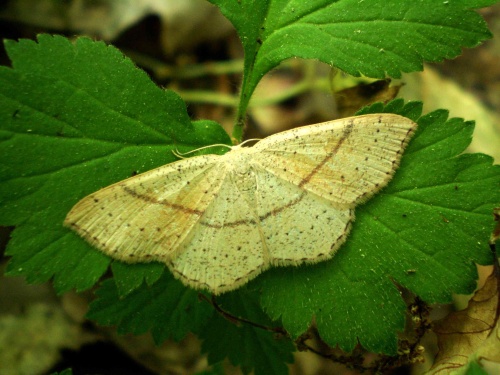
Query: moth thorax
(243, 174)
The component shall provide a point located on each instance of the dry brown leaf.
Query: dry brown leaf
(439, 92)
(352, 99)
(495, 236)
(472, 334)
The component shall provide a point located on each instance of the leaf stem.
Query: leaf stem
(208, 97)
(212, 97)
(235, 319)
(163, 71)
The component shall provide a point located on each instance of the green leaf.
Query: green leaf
(129, 277)
(62, 138)
(424, 232)
(167, 309)
(372, 37)
(76, 118)
(246, 346)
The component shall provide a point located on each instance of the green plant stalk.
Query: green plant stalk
(165, 71)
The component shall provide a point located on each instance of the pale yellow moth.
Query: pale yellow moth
(219, 221)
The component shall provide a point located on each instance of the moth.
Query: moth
(218, 221)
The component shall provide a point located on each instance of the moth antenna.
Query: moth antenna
(181, 155)
(249, 140)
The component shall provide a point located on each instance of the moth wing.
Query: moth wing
(298, 226)
(147, 217)
(227, 248)
(344, 161)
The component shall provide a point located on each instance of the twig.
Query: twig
(236, 320)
